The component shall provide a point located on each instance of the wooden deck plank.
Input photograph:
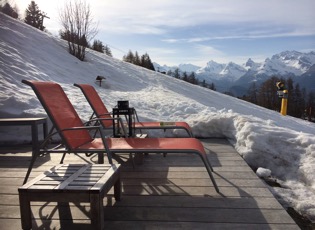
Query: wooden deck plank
(172, 192)
(153, 213)
(182, 201)
(135, 225)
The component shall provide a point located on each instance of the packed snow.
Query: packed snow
(263, 173)
(282, 146)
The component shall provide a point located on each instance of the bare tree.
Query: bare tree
(78, 26)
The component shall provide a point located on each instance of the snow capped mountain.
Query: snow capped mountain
(188, 67)
(233, 71)
(250, 64)
(212, 67)
(182, 67)
(222, 75)
(285, 64)
(215, 71)
(297, 60)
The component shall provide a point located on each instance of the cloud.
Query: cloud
(122, 29)
(164, 16)
(205, 52)
(208, 50)
(178, 13)
(230, 33)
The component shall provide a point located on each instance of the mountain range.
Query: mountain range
(235, 78)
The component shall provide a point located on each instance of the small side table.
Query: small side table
(72, 183)
(33, 122)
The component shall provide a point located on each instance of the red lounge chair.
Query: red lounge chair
(100, 111)
(77, 139)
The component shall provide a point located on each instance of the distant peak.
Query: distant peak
(212, 62)
(249, 63)
(231, 63)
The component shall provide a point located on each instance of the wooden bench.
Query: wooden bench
(72, 183)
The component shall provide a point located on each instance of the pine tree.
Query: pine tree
(98, 46)
(252, 93)
(299, 102)
(185, 76)
(107, 51)
(291, 96)
(9, 10)
(136, 59)
(212, 87)
(129, 57)
(170, 73)
(146, 62)
(204, 84)
(192, 78)
(310, 106)
(267, 94)
(176, 73)
(34, 16)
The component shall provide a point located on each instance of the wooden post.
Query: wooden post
(100, 78)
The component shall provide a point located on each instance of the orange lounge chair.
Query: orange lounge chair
(77, 139)
(100, 111)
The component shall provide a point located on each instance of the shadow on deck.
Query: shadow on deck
(172, 192)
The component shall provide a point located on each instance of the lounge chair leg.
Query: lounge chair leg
(213, 181)
(100, 158)
(209, 164)
(210, 170)
(62, 158)
(30, 168)
(132, 161)
(117, 190)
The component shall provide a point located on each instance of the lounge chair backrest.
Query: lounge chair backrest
(96, 104)
(61, 112)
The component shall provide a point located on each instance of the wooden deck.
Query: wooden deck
(174, 192)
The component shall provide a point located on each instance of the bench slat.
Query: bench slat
(72, 177)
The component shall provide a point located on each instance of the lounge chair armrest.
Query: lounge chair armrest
(119, 119)
(50, 135)
(100, 119)
(78, 128)
(72, 128)
(110, 113)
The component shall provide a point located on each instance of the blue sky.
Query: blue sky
(174, 32)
